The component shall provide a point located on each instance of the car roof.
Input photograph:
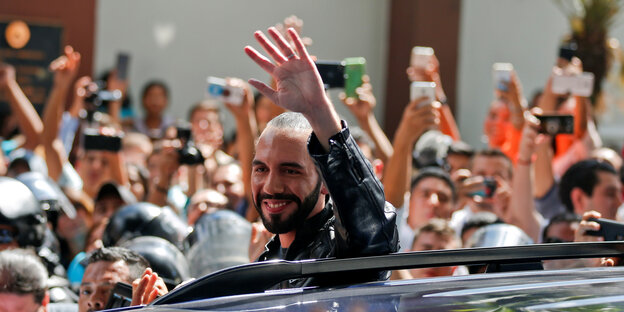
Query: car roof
(248, 287)
(557, 290)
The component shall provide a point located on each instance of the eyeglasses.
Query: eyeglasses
(6, 236)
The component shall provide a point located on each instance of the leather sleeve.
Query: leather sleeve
(365, 224)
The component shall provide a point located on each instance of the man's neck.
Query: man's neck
(286, 239)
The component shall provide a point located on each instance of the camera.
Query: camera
(97, 94)
(95, 140)
(188, 153)
(610, 230)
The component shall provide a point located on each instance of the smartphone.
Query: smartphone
(567, 51)
(609, 229)
(332, 73)
(556, 124)
(501, 73)
(581, 85)
(122, 65)
(355, 68)
(218, 89)
(421, 56)
(121, 296)
(94, 140)
(488, 190)
(420, 89)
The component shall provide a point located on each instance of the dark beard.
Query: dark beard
(274, 224)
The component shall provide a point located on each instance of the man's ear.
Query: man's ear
(579, 200)
(324, 189)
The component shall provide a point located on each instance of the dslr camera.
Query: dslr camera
(188, 153)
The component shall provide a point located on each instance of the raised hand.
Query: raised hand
(147, 288)
(299, 86)
(418, 117)
(363, 105)
(7, 75)
(65, 67)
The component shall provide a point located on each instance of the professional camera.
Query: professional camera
(189, 154)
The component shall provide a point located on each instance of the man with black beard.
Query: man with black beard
(311, 184)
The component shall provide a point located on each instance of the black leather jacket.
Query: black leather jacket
(357, 221)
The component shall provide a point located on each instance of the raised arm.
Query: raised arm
(522, 208)
(245, 135)
(27, 117)
(416, 120)
(516, 100)
(65, 69)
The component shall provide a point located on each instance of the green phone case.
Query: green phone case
(355, 68)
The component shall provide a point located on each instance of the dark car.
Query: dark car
(513, 282)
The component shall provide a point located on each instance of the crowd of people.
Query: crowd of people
(90, 197)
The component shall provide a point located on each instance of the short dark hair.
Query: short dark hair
(22, 273)
(438, 226)
(494, 152)
(434, 172)
(583, 175)
(135, 262)
(152, 84)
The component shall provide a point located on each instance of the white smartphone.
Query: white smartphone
(420, 89)
(217, 88)
(581, 85)
(421, 56)
(501, 73)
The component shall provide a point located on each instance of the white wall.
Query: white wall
(523, 32)
(209, 36)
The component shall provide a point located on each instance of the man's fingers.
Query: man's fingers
(152, 295)
(264, 89)
(303, 53)
(282, 44)
(272, 50)
(260, 59)
(138, 292)
(150, 286)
